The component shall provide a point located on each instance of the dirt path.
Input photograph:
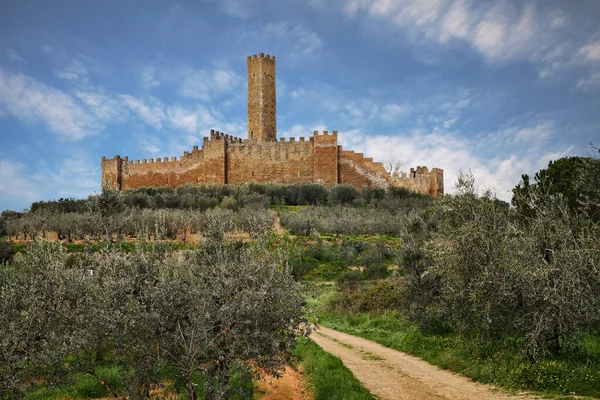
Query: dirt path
(277, 228)
(289, 386)
(391, 374)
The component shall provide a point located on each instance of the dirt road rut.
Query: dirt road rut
(394, 375)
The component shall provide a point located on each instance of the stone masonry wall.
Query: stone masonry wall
(421, 180)
(262, 99)
(227, 159)
(357, 170)
(283, 162)
(326, 158)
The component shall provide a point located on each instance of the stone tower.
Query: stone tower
(262, 125)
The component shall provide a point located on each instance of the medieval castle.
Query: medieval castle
(225, 159)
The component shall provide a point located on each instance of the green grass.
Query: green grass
(391, 240)
(500, 362)
(328, 378)
(83, 386)
(80, 385)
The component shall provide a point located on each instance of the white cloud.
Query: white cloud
(589, 83)
(299, 130)
(27, 99)
(148, 78)
(21, 185)
(191, 120)
(538, 133)
(446, 150)
(106, 108)
(392, 112)
(499, 31)
(151, 112)
(58, 180)
(13, 56)
(203, 84)
(75, 71)
(14, 184)
(238, 8)
(591, 52)
(304, 42)
(151, 144)
(292, 41)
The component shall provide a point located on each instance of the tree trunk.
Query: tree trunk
(191, 388)
(209, 387)
(223, 380)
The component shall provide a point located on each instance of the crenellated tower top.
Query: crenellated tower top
(262, 110)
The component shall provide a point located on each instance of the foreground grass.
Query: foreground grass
(502, 363)
(327, 376)
(329, 379)
(83, 386)
(86, 386)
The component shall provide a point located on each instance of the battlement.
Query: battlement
(216, 135)
(261, 57)
(325, 134)
(285, 145)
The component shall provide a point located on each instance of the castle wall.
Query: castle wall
(325, 158)
(206, 165)
(226, 159)
(357, 170)
(112, 172)
(283, 162)
(421, 180)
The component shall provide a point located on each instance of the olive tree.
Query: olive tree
(500, 275)
(203, 310)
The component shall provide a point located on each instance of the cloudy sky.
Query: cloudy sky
(497, 87)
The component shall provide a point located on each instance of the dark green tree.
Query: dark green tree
(564, 177)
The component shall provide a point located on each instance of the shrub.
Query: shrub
(350, 281)
(229, 203)
(385, 295)
(344, 194)
(6, 252)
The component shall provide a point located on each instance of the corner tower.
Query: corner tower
(262, 124)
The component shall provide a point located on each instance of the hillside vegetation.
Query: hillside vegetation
(198, 289)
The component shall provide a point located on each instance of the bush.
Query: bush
(229, 203)
(350, 281)
(344, 220)
(345, 194)
(6, 252)
(385, 295)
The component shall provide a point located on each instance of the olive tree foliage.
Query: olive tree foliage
(146, 224)
(345, 220)
(491, 273)
(204, 310)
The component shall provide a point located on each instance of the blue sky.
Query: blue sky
(497, 87)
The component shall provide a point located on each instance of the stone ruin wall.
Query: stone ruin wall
(225, 159)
